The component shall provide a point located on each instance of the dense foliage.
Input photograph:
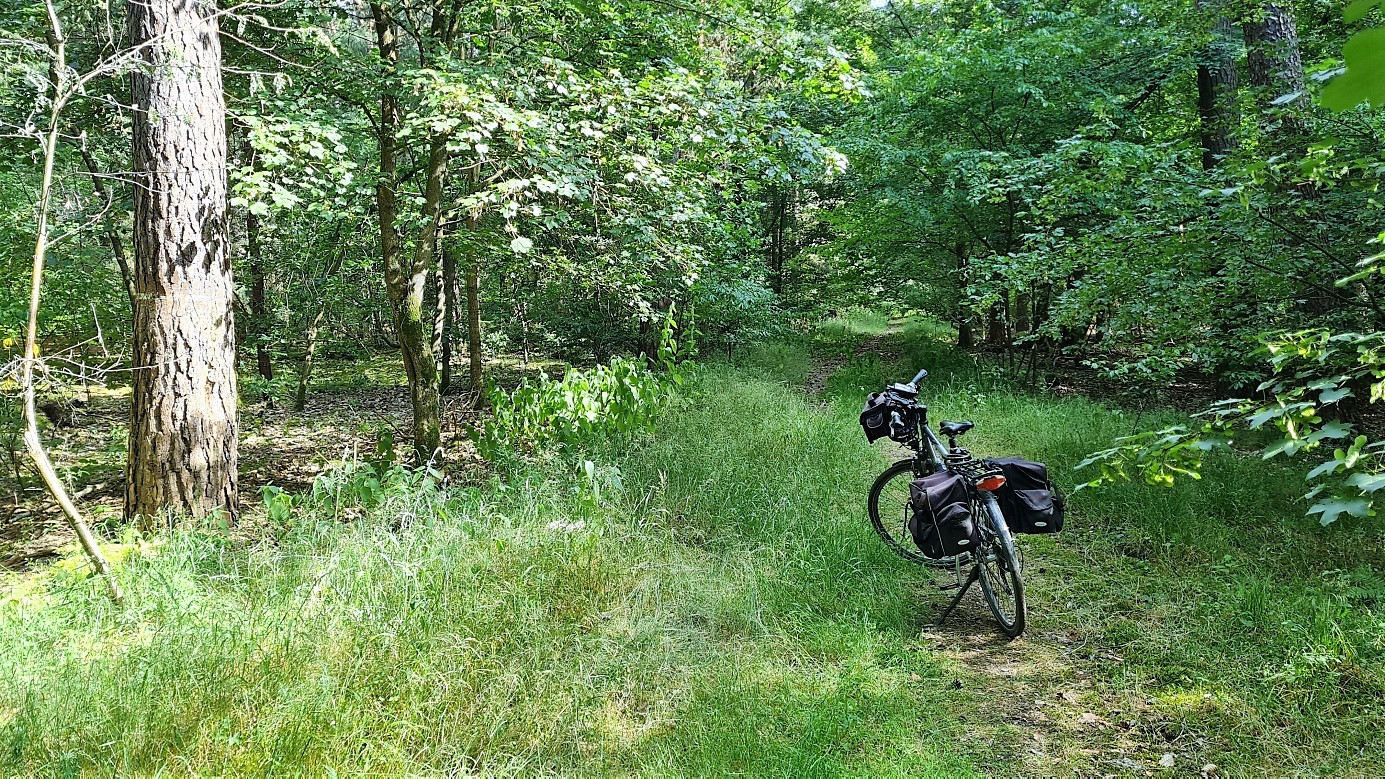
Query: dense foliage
(1153, 192)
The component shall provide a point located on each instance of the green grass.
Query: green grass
(697, 621)
(711, 602)
(1214, 613)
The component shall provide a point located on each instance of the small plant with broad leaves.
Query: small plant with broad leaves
(1314, 372)
(615, 400)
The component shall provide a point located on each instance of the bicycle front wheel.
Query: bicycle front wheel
(890, 509)
(1000, 574)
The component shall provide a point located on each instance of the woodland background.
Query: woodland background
(537, 331)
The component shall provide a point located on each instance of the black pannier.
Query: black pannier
(875, 418)
(1029, 501)
(880, 406)
(942, 523)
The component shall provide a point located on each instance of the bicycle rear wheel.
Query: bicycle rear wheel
(1000, 575)
(890, 509)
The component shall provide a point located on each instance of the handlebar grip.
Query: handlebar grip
(922, 374)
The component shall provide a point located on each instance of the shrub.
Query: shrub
(618, 399)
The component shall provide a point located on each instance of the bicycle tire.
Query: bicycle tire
(889, 507)
(1001, 583)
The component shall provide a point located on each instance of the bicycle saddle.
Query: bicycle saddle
(951, 429)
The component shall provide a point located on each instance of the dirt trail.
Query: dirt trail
(880, 345)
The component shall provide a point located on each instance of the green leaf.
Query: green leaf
(521, 245)
(1332, 508)
(1329, 431)
(1366, 482)
(1326, 468)
(1257, 421)
(1363, 80)
(1358, 9)
(1334, 395)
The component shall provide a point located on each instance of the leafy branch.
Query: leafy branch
(1314, 372)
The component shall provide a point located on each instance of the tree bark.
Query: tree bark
(995, 324)
(182, 454)
(966, 334)
(1275, 65)
(305, 373)
(1217, 85)
(405, 281)
(447, 315)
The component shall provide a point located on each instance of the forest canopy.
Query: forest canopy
(1158, 193)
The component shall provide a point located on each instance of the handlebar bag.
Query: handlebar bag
(1029, 501)
(942, 523)
(875, 418)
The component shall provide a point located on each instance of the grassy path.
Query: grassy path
(1209, 626)
(713, 602)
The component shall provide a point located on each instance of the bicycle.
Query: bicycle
(995, 563)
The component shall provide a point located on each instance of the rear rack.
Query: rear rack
(960, 462)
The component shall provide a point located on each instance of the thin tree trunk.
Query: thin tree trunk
(1217, 85)
(57, 43)
(966, 334)
(447, 315)
(305, 373)
(259, 318)
(778, 216)
(182, 454)
(473, 314)
(404, 282)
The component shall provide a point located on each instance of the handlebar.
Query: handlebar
(920, 376)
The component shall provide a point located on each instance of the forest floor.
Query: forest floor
(711, 600)
(353, 407)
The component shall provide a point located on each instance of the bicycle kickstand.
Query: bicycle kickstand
(975, 573)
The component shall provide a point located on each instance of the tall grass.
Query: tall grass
(690, 608)
(1222, 611)
(710, 601)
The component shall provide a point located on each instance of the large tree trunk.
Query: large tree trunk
(1217, 84)
(182, 454)
(1275, 65)
(995, 324)
(405, 281)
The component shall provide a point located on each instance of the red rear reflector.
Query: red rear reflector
(991, 483)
